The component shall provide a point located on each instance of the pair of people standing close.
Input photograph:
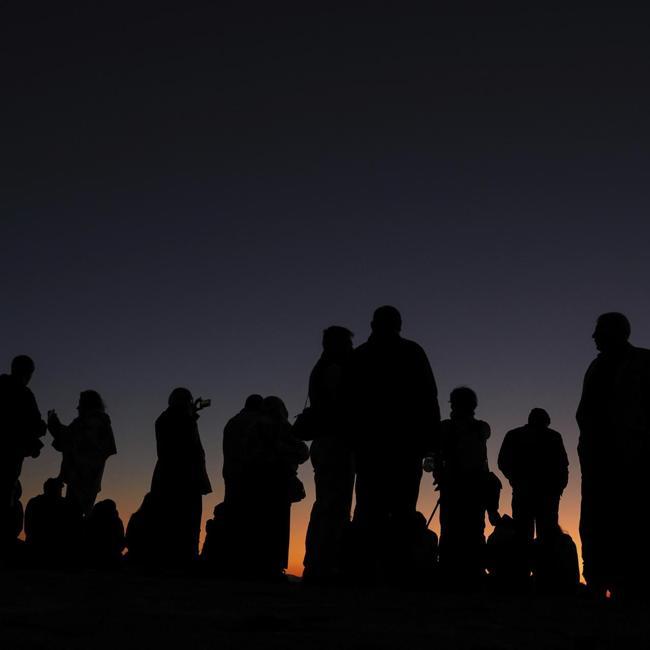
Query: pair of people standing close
(261, 458)
(85, 444)
(378, 414)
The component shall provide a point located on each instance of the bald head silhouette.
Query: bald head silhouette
(386, 321)
(612, 332)
(539, 418)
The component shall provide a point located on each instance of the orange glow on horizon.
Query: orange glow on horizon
(128, 493)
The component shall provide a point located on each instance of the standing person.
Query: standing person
(614, 445)
(331, 457)
(86, 444)
(391, 403)
(463, 476)
(21, 428)
(239, 437)
(534, 461)
(237, 525)
(280, 487)
(180, 478)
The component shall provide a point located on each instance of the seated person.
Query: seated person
(104, 535)
(52, 527)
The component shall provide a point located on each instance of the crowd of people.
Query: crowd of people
(374, 425)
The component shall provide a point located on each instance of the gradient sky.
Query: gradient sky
(189, 196)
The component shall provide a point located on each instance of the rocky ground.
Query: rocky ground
(124, 610)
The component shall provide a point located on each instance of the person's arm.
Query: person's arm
(562, 464)
(109, 447)
(36, 427)
(505, 460)
(60, 432)
(430, 407)
(291, 449)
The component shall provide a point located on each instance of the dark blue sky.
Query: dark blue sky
(188, 197)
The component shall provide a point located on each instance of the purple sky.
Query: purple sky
(190, 197)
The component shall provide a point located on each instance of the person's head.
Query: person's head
(22, 368)
(275, 407)
(463, 401)
(539, 418)
(386, 321)
(220, 510)
(254, 403)
(337, 341)
(90, 401)
(180, 399)
(106, 509)
(53, 487)
(612, 331)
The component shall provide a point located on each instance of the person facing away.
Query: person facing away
(240, 443)
(392, 416)
(103, 536)
(279, 488)
(614, 444)
(463, 476)
(86, 443)
(261, 457)
(236, 527)
(534, 461)
(52, 527)
(180, 478)
(331, 457)
(21, 427)
(145, 534)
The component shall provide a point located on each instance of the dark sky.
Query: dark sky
(189, 195)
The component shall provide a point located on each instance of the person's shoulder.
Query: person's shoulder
(552, 433)
(642, 354)
(361, 349)
(412, 346)
(515, 433)
(35, 501)
(484, 428)
(163, 418)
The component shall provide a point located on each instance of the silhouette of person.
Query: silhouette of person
(391, 407)
(180, 478)
(463, 476)
(261, 457)
(146, 534)
(508, 556)
(219, 554)
(21, 428)
(555, 563)
(614, 422)
(10, 528)
(534, 461)
(241, 438)
(86, 444)
(104, 536)
(331, 457)
(280, 487)
(52, 527)
(244, 453)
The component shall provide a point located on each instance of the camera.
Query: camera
(201, 403)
